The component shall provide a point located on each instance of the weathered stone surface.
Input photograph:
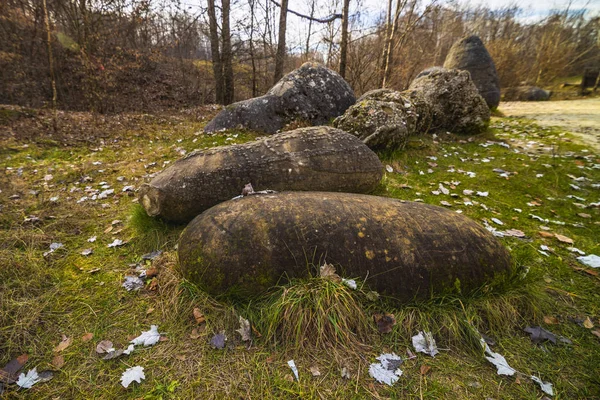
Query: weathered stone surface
(469, 54)
(379, 124)
(315, 158)
(454, 101)
(526, 93)
(402, 249)
(385, 118)
(312, 93)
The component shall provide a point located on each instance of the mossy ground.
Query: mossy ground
(67, 293)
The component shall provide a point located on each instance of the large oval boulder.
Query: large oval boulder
(314, 158)
(402, 249)
(311, 93)
(454, 100)
(470, 54)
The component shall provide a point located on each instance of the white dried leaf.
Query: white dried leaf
(132, 282)
(497, 221)
(443, 189)
(591, 261)
(116, 243)
(482, 194)
(351, 283)
(389, 168)
(546, 386)
(26, 381)
(87, 252)
(425, 343)
(244, 331)
(132, 374)
(292, 365)
(129, 349)
(147, 338)
(498, 360)
(92, 239)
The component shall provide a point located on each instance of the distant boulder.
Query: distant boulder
(525, 93)
(453, 99)
(312, 93)
(469, 54)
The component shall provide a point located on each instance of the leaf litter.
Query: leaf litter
(387, 370)
(133, 374)
(425, 343)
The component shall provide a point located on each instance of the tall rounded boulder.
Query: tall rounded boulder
(453, 99)
(469, 54)
(312, 159)
(311, 93)
(401, 249)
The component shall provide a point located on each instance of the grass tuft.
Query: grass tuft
(316, 313)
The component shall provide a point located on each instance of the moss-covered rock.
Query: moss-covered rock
(402, 249)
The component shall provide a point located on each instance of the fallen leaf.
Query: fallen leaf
(292, 365)
(584, 215)
(66, 342)
(289, 378)
(87, 337)
(132, 282)
(107, 230)
(596, 332)
(550, 320)
(114, 354)
(149, 311)
(539, 334)
(546, 386)
(151, 272)
(198, 316)
(563, 239)
(327, 271)
(386, 371)
(384, 322)
(315, 371)
(153, 284)
(425, 369)
(105, 346)
(591, 261)
(587, 323)
(244, 331)
(8, 374)
(545, 234)
(147, 338)
(58, 361)
(26, 381)
(152, 256)
(345, 373)
(218, 341)
(132, 374)
(425, 343)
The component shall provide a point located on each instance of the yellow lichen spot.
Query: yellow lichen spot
(361, 235)
(370, 254)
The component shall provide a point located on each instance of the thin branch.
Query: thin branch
(331, 18)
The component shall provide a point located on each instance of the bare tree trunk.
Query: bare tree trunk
(226, 55)
(310, 22)
(280, 56)
(388, 33)
(252, 4)
(51, 64)
(390, 43)
(344, 45)
(214, 49)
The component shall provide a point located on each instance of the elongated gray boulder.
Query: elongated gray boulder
(315, 158)
(454, 101)
(311, 93)
(469, 54)
(402, 249)
(526, 93)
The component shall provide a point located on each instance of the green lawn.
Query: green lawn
(66, 293)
